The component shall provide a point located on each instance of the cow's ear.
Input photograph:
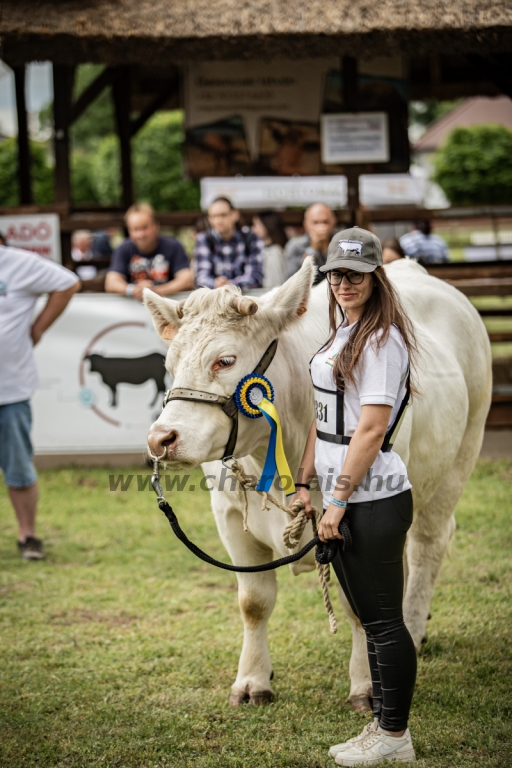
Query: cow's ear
(286, 304)
(165, 313)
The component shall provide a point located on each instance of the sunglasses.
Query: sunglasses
(334, 277)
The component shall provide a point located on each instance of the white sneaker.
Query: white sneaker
(378, 747)
(369, 728)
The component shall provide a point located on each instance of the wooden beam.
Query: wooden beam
(92, 92)
(157, 103)
(63, 77)
(486, 286)
(496, 337)
(121, 92)
(24, 175)
(350, 96)
(499, 75)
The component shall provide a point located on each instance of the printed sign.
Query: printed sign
(272, 192)
(38, 232)
(254, 116)
(355, 138)
(101, 367)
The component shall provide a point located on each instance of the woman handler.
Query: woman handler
(361, 382)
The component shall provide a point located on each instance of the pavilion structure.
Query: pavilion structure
(449, 50)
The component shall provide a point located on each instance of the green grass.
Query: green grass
(120, 649)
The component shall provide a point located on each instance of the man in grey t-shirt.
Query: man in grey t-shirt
(319, 224)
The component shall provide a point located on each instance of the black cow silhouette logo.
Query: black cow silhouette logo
(129, 370)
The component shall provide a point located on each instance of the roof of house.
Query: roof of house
(475, 111)
(144, 30)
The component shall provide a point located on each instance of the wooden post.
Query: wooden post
(24, 175)
(121, 92)
(63, 78)
(350, 104)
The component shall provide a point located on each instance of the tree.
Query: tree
(474, 166)
(158, 164)
(41, 171)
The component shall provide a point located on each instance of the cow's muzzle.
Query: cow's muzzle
(162, 440)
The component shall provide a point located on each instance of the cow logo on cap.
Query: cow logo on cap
(351, 247)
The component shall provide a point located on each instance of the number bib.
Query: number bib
(329, 415)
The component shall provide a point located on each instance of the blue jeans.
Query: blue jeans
(15, 444)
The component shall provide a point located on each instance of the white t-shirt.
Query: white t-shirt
(24, 276)
(274, 266)
(380, 379)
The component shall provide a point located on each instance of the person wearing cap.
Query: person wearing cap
(362, 385)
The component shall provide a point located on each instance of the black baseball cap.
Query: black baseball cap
(354, 248)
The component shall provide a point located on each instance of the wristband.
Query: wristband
(337, 503)
(303, 485)
(129, 290)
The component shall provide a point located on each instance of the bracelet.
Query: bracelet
(129, 290)
(337, 503)
(302, 485)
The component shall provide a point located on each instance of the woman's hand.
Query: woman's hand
(329, 524)
(303, 495)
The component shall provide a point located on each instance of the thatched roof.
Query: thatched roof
(119, 31)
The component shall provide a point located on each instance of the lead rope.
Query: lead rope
(293, 531)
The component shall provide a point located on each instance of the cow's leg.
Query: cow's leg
(256, 598)
(431, 531)
(359, 670)
(113, 399)
(425, 552)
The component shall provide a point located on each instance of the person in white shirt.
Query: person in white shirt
(361, 380)
(24, 276)
(268, 226)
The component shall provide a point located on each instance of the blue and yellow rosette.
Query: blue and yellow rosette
(254, 397)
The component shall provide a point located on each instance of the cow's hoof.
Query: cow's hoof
(261, 697)
(361, 704)
(236, 698)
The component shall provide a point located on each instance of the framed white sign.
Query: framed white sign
(37, 232)
(361, 137)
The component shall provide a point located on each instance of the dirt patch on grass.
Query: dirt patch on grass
(84, 616)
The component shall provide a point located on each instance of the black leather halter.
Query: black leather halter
(228, 404)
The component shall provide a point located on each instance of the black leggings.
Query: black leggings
(371, 576)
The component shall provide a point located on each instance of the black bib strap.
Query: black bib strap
(339, 439)
(387, 445)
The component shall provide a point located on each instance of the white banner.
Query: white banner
(355, 138)
(38, 232)
(276, 192)
(282, 191)
(101, 367)
(291, 90)
(380, 189)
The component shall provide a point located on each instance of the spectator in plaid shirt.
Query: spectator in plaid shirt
(227, 255)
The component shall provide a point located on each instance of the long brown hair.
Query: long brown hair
(382, 310)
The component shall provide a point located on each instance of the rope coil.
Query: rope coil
(293, 531)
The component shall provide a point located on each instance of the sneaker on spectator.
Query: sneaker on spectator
(369, 727)
(31, 548)
(378, 747)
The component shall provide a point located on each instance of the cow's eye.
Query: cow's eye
(224, 362)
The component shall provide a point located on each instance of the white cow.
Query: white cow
(214, 346)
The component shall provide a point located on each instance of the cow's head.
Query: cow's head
(216, 337)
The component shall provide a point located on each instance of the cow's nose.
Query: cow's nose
(160, 438)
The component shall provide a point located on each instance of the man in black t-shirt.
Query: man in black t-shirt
(147, 259)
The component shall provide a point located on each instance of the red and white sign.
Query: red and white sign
(37, 232)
